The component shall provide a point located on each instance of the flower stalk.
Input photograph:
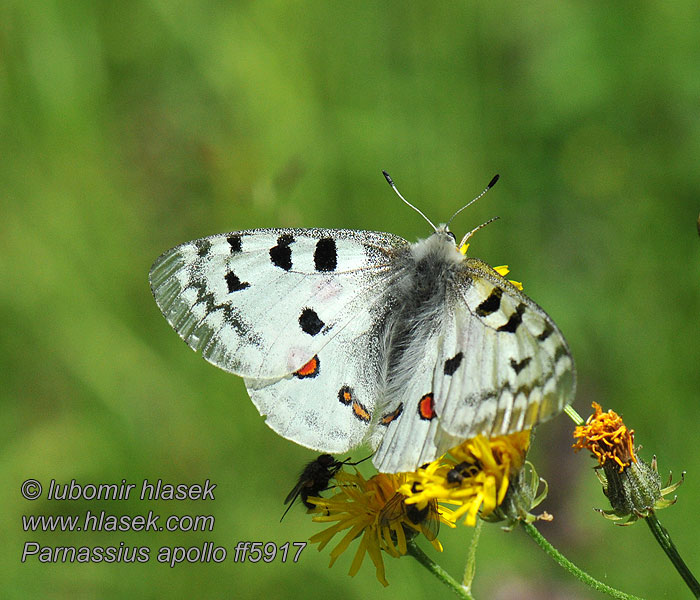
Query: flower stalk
(632, 486)
(566, 564)
(459, 589)
(470, 567)
(664, 540)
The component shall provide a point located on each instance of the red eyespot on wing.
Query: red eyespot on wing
(361, 412)
(310, 369)
(426, 407)
(345, 394)
(392, 416)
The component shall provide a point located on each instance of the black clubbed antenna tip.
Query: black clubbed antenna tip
(390, 181)
(491, 183)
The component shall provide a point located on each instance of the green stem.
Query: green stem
(573, 415)
(438, 571)
(470, 567)
(669, 548)
(562, 561)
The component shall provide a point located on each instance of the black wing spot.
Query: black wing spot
(519, 366)
(235, 242)
(452, 364)
(203, 247)
(515, 320)
(548, 330)
(281, 254)
(309, 322)
(234, 283)
(560, 352)
(326, 255)
(491, 304)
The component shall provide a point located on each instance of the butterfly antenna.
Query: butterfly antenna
(473, 231)
(393, 187)
(486, 189)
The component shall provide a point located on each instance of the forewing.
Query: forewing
(261, 303)
(504, 366)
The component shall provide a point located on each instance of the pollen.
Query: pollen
(607, 437)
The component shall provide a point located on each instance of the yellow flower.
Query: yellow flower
(503, 270)
(475, 476)
(374, 510)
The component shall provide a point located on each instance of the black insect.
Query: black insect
(427, 519)
(315, 478)
(461, 471)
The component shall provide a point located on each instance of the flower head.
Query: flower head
(607, 437)
(475, 476)
(632, 486)
(373, 510)
(482, 477)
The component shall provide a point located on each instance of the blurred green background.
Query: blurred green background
(127, 128)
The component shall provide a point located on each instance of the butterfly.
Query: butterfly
(315, 478)
(346, 337)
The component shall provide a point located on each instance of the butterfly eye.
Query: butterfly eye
(452, 235)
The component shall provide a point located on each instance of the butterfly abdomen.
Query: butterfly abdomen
(421, 307)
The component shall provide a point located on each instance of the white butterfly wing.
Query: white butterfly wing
(308, 319)
(491, 363)
(408, 433)
(504, 366)
(297, 313)
(262, 303)
(329, 406)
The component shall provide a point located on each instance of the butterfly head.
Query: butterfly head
(448, 232)
(443, 231)
(441, 245)
(447, 238)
